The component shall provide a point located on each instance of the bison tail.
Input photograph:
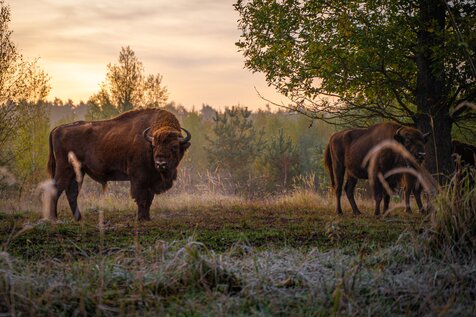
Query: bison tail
(328, 164)
(51, 158)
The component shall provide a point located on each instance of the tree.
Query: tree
(101, 106)
(30, 143)
(235, 145)
(125, 80)
(407, 61)
(20, 81)
(126, 87)
(281, 160)
(155, 95)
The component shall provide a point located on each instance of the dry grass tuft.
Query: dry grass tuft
(453, 229)
(86, 271)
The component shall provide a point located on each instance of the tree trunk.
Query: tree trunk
(431, 91)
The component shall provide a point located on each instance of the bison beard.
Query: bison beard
(347, 149)
(141, 146)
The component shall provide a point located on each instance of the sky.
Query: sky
(190, 42)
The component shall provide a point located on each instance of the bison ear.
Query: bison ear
(185, 146)
(426, 136)
(399, 138)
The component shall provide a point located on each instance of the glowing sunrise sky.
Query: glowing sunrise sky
(190, 42)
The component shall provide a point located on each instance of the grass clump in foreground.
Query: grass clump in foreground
(350, 266)
(454, 222)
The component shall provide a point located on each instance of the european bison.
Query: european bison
(141, 146)
(464, 155)
(347, 149)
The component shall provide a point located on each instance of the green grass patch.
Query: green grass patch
(260, 226)
(291, 256)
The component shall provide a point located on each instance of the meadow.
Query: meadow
(212, 254)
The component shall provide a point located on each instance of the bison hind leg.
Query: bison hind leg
(349, 191)
(338, 173)
(72, 192)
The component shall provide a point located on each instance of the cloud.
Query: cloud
(192, 38)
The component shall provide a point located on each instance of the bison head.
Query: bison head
(168, 147)
(413, 140)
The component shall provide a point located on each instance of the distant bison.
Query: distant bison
(463, 154)
(347, 149)
(466, 153)
(141, 146)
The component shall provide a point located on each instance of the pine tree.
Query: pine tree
(281, 160)
(235, 145)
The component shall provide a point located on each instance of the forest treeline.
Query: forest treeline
(234, 151)
(238, 151)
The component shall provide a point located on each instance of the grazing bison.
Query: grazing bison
(141, 146)
(347, 149)
(464, 155)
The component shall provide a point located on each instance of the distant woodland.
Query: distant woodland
(235, 150)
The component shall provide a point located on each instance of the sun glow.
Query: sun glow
(190, 43)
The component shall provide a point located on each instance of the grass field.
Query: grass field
(218, 255)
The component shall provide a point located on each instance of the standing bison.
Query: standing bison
(140, 146)
(347, 149)
(464, 155)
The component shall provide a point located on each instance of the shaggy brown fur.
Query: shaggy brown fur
(346, 152)
(117, 150)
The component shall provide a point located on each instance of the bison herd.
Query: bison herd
(146, 146)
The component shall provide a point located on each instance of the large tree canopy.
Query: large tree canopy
(407, 61)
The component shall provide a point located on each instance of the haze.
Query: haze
(189, 42)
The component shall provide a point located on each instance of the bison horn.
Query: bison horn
(187, 138)
(398, 131)
(147, 137)
(398, 137)
(426, 135)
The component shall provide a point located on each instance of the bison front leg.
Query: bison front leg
(143, 197)
(378, 195)
(408, 191)
(417, 194)
(386, 202)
